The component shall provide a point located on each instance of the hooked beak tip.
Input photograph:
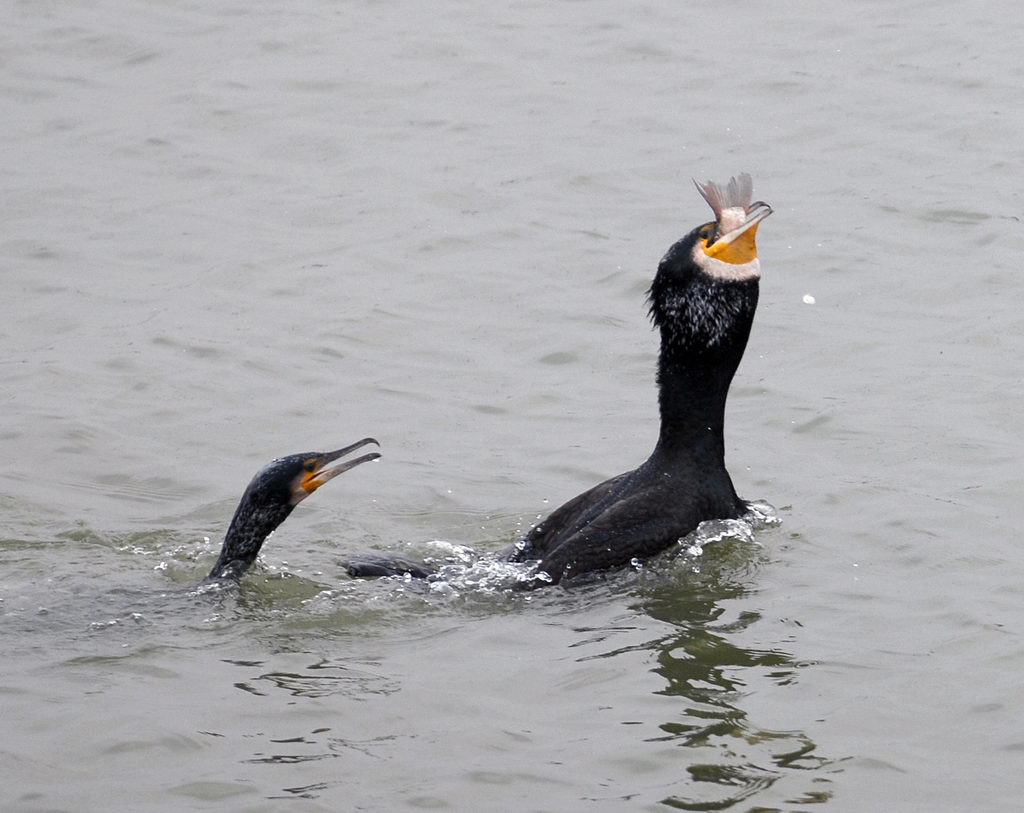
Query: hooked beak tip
(324, 472)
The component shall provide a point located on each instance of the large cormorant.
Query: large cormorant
(702, 300)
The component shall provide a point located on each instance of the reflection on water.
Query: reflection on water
(321, 695)
(711, 668)
(323, 679)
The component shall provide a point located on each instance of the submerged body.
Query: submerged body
(702, 300)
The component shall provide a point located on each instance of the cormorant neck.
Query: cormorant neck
(692, 392)
(249, 529)
(702, 343)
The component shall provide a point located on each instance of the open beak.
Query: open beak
(736, 241)
(322, 471)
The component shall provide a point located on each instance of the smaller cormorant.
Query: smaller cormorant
(270, 497)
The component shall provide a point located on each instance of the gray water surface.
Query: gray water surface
(233, 231)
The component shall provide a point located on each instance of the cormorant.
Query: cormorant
(702, 300)
(270, 497)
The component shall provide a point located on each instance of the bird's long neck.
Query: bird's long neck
(691, 398)
(696, 365)
(249, 529)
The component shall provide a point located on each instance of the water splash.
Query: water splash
(760, 514)
(464, 573)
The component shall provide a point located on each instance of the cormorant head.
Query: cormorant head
(270, 497)
(289, 480)
(726, 247)
(691, 293)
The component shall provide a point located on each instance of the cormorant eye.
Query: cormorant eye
(310, 466)
(707, 231)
